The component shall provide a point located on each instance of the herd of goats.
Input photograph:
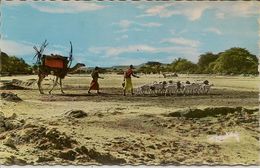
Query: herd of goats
(175, 88)
(155, 88)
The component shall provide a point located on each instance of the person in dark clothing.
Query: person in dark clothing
(94, 85)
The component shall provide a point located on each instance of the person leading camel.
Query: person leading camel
(128, 81)
(94, 85)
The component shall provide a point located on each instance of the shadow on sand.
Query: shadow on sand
(84, 94)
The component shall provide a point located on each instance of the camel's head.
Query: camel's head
(80, 65)
(76, 67)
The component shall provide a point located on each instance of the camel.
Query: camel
(56, 65)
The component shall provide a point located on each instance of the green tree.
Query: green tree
(204, 61)
(236, 61)
(151, 67)
(4, 62)
(144, 69)
(14, 65)
(183, 66)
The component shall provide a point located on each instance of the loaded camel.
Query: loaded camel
(57, 65)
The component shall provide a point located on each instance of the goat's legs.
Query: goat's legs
(167, 91)
(54, 84)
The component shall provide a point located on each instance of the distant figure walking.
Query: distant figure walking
(127, 80)
(94, 83)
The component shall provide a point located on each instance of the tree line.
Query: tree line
(13, 65)
(232, 61)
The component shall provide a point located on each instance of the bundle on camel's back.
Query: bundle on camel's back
(57, 65)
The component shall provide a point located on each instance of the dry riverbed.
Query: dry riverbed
(77, 128)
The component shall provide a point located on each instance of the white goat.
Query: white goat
(187, 88)
(193, 88)
(157, 88)
(205, 88)
(171, 89)
(144, 89)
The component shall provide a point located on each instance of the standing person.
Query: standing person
(127, 79)
(94, 83)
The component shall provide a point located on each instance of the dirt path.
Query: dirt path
(216, 97)
(129, 130)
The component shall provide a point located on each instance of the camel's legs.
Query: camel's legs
(39, 83)
(61, 86)
(55, 83)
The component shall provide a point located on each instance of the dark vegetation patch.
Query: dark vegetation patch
(9, 96)
(76, 114)
(210, 111)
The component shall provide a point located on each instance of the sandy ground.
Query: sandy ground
(79, 128)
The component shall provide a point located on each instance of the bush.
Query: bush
(14, 65)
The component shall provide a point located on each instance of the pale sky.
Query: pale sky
(123, 33)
